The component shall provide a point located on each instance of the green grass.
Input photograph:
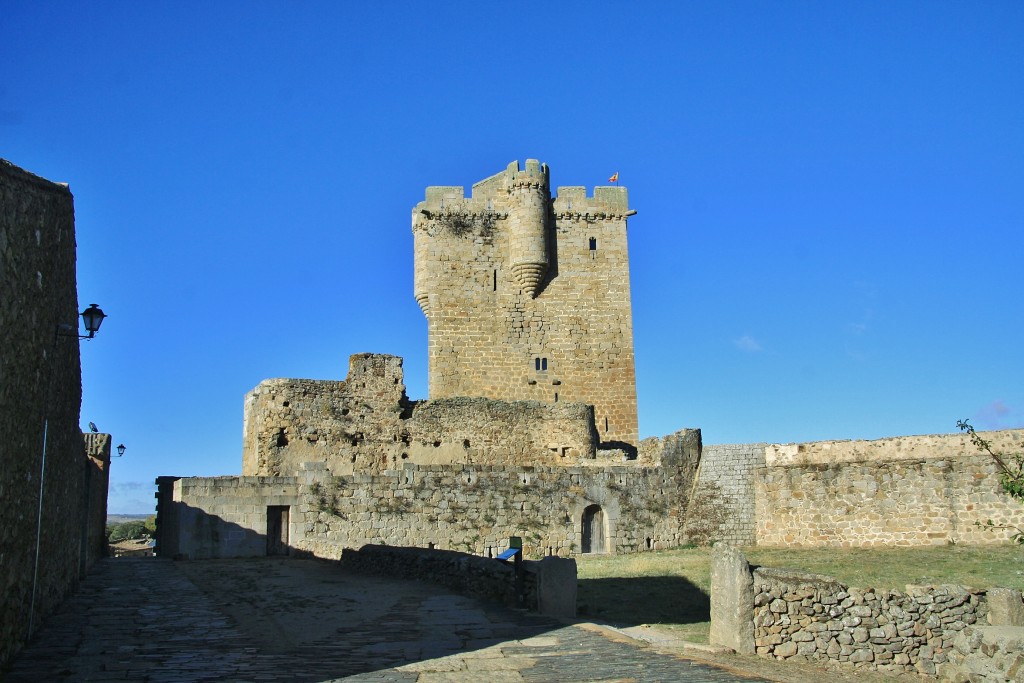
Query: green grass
(671, 587)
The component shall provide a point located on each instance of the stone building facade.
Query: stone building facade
(50, 488)
(527, 296)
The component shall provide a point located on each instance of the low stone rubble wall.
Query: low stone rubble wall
(547, 586)
(468, 574)
(950, 631)
(817, 618)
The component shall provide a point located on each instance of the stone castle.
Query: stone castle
(530, 428)
(527, 298)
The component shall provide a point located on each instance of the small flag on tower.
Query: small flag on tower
(614, 178)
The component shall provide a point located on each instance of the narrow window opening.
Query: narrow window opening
(536, 364)
(556, 397)
(543, 363)
(593, 244)
(495, 280)
(650, 544)
(606, 424)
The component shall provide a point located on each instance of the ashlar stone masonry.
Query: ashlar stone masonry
(527, 296)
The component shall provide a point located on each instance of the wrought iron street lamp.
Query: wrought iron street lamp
(92, 317)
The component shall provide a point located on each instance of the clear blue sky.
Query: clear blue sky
(830, 198)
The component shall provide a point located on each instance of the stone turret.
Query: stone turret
(529, 198)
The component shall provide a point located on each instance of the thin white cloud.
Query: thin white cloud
(747, 344)
(998, 415)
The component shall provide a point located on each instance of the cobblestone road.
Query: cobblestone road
(303, 620)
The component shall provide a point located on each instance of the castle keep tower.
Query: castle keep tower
(527, 296)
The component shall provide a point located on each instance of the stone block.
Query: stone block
(732, 600)
(556, 587)
(1005, 607)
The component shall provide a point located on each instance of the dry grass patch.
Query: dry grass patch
(671, 587)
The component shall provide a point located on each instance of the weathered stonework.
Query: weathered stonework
(527, 296)
(366, 424)
(40, 399)
(930, 630)
(816, 618)
(722, 504)
(920, 490)
(912, 490)
(468, 507)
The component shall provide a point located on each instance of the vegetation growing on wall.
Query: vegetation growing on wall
(460, 222)
(1011, 475)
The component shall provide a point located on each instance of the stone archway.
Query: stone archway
(592, 530)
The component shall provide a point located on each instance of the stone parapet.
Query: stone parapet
(925, 447)
(897, 502)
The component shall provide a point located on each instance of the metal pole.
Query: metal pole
(39, 530)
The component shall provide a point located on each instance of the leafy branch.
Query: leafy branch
(1011, 476)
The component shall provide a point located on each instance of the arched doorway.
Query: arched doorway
(593, 540)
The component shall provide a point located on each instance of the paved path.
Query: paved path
(304, 620)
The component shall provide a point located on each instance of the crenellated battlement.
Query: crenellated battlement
(606, 203)
(535, 175)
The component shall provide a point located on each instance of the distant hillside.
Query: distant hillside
(121, 519)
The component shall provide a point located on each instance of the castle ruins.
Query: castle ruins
(530, 427)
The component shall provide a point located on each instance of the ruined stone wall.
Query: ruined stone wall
(366, 423)
(903, 491)
(473, 508)
(528, 297)
(40, 389)
(476, 508)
